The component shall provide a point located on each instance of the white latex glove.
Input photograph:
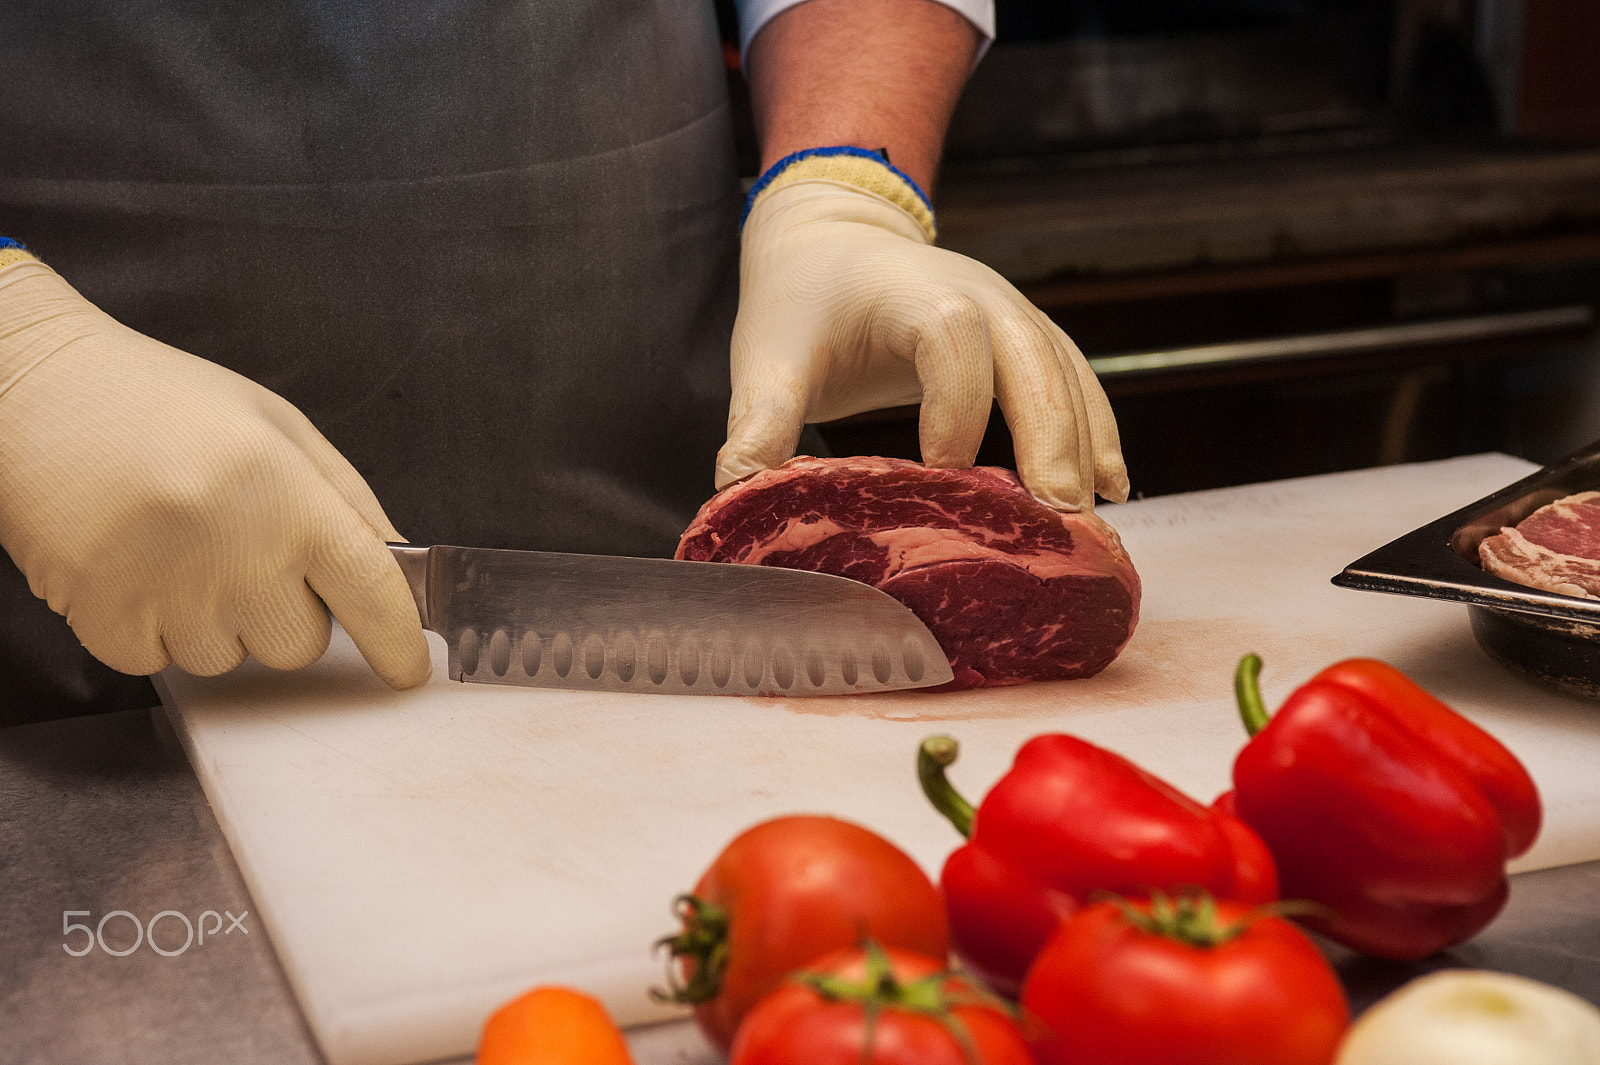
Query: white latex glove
(175, 511)
(844, 306)
(1472, 1017)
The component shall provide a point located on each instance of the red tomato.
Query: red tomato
(922, 1015)
(1110, 993)
(785, 893)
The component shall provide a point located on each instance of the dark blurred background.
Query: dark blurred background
(1293, 236)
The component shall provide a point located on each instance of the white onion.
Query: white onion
(1471, 1017)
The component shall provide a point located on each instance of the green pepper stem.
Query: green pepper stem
(935, 755)
(1247, 690)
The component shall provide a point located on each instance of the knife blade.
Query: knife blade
(612, 623)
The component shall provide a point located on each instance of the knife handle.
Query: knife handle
(413, 561)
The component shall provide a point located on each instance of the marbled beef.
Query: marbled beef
(1556, 548)
(1012, 590)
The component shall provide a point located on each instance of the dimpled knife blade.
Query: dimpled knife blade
(610, 623)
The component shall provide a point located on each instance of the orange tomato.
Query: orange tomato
(552, 1026)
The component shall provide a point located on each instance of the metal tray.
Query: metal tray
(1552, 637)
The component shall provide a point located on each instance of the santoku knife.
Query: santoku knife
(610, 623)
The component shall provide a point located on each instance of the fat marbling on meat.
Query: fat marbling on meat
(1012, 590)
(1556, 548)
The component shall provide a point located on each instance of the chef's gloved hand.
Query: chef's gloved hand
(845, 306)
(175, 511)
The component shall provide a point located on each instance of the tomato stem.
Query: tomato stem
(703, 945)
(935, 755)
(936, 996)
(1190, 918)
(1247, 690)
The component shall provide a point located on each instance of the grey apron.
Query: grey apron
(487, 246)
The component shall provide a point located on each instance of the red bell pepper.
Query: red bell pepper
(1068, 821)
(1382, 805)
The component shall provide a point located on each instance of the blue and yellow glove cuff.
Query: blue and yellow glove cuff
(12, 251)
(867, 170)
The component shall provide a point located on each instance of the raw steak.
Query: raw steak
(1012, 590)
(1556, 548)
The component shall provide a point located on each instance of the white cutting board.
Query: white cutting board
(419, 858)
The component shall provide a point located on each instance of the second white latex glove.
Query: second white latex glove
(844, 307)
(175, 511)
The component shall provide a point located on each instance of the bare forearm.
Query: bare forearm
(868, 73)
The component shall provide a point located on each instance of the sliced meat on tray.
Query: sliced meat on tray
(1556, 548)
(1012, 590)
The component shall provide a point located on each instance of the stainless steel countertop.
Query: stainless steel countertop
(104, 814)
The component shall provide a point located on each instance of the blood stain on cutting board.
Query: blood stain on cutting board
(1190, 660)
(1194, 659)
